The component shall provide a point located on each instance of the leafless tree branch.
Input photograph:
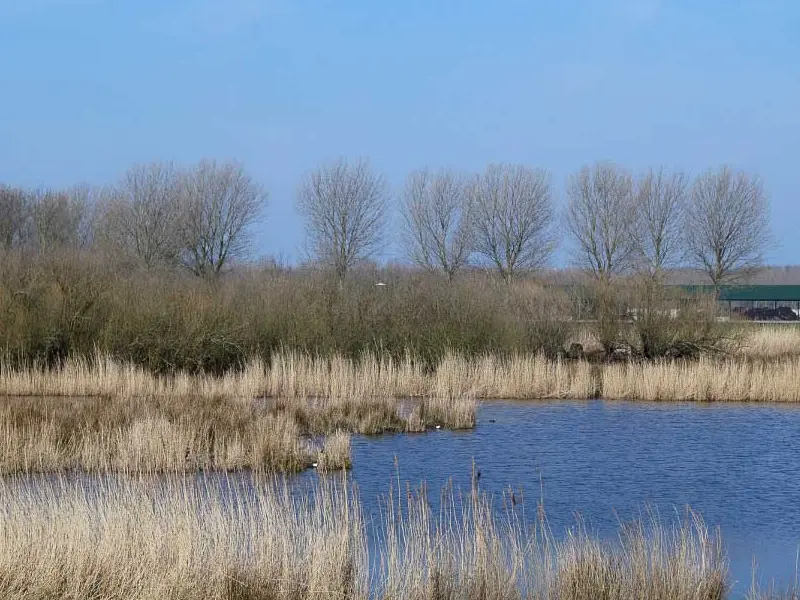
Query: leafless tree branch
(218, 205)
(142, 218)
(514, 216)
(727, 224)
(345, 209)
(437, 211)
(600, 216)
(660, 199)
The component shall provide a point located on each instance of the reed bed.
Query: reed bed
(230, 539)
(179, 539)
(44, 435)
(706, 380)
(299, 375)
(770, 342)
(163, 434)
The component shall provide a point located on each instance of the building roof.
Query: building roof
(757, 293)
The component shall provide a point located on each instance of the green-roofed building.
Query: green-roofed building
(773, 302)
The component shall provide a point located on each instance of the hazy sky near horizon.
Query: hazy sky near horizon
(89, 87)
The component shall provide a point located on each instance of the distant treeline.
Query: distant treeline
(201, 218)
(156, 269)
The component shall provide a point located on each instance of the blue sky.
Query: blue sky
(89, 87)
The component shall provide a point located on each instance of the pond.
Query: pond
(604, 462)
(738, 465)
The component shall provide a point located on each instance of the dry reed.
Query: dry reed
(335, 454)
(770, 342)
(704, 380)
(185, 433)
(298, 375)
(178, 539)
(235, 539)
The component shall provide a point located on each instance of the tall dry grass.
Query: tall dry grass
(706, 380)
(299, 375)
(230, 539)
(769, 342)
(56, 434)
(196, 432)
(178, 539)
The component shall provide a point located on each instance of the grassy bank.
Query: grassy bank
(174, 538)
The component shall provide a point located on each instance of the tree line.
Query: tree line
(201, 218)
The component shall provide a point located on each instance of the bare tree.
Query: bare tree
(142, 218)
(219, 204)
(660, 199)
(514, 218)
(91, 199)
(14, 213)
(56, 219)
(600, 216)
(727, 224)
(437, 210)
(345, 209)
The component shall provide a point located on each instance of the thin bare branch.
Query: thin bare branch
(727, 224)
(601, 215)
(218, 205)
(660, 205)
(514, 218)
(437, 211)
(345, 209)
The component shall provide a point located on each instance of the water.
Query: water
(738, 465)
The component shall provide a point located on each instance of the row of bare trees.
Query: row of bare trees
(718, 223)
(201, 217)
(157, 215)
(506, 217)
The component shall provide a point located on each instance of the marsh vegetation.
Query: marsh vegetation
(177, 538)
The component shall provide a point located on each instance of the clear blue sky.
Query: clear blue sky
(88, 87)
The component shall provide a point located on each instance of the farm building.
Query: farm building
(756, 302)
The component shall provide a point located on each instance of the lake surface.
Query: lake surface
(738, 465)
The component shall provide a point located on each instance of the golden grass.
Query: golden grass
(148, 434)
(770, 342)
(55, 434)
(178, 539)
(706, 380)
(231, 539)
(297, 375)
(335, 454)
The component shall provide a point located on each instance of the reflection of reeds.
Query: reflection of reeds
(182, 538)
